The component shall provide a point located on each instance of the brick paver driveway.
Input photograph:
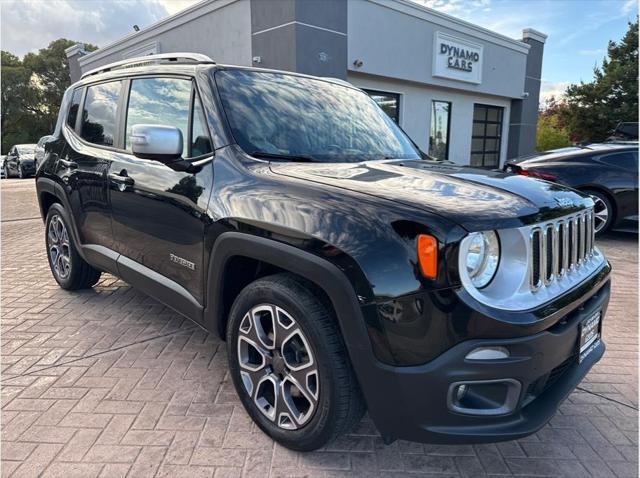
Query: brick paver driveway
(108, 382)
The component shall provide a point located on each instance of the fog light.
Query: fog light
(488, 353)
(460, 392)
(484, 397)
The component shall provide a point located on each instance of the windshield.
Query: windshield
(280, 115)
(27, 149)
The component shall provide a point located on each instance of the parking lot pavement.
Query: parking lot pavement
(109, 382)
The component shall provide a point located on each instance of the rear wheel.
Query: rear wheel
(602, 209)
(289, 364)
(69, 270)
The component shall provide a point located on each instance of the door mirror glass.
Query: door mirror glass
(156, 142)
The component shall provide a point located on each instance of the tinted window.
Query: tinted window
(99, 113)
(282, 114)
(626, 160)
(162, 101)
(200, 142)
(73, 108)
(389, 102)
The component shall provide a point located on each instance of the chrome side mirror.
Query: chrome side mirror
(156, 142)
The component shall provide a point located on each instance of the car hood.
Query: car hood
(476, 199)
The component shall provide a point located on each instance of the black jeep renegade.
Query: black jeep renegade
(345, 269)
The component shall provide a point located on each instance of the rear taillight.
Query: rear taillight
(536, 174)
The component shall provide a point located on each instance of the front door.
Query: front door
(159, 215)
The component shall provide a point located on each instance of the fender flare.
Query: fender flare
(313, 268)
(46, 185)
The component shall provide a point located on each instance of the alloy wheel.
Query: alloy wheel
(59, 247)
(601, 213)
(277, 366)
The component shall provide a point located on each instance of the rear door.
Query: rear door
(159, 215)
(83, 164)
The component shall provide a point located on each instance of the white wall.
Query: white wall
(220, 29)
(415, 112)
(395, 39)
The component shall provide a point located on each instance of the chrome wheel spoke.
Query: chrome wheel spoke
(59, 247)
(601, 213)
(277, 366)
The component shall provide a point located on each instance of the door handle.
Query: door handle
(68, 164)
(121, 178)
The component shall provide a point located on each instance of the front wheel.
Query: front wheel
(289, 363)
(602, 210)
(69, 270)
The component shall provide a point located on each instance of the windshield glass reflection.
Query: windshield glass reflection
(282, 116)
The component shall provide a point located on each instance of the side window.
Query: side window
(99, 124)
(162, 101)
(73, 108)
(200, 142)
(626, 160)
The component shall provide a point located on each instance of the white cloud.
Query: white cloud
(594, 52)
(174, 6)
(630, 6)
(28, 26)
(552, 88)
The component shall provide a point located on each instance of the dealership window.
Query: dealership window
(389, 102)
(99, 113)
(486, 135)
(439, 131)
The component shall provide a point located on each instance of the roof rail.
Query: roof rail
(176, 58)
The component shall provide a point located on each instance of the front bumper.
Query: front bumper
(414, 403)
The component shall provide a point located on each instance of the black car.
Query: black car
(608, 172)
(20, 161)
(39, 150)
(291, 217)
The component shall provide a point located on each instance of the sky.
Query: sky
(578, 29)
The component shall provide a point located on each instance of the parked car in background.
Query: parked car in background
(39, 155)
(624, 132)
(608, 172)
(344, 270)
(20, 161)
(2, 160)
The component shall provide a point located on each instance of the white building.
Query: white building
(460, 91)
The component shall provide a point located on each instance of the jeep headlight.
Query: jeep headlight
(481, 257)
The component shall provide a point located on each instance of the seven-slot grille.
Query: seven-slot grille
(560, 246)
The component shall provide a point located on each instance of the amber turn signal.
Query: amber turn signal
(428, 255)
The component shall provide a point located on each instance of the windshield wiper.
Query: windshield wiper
(287, 157)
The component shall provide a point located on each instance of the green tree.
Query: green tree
(550, 135)
(593, 109)
(552, 132)
(31, 92)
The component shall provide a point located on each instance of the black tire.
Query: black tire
(79, 274)
(340, 405)
(601, 201)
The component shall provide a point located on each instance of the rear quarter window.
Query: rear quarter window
(626, 159)
(72, 116)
